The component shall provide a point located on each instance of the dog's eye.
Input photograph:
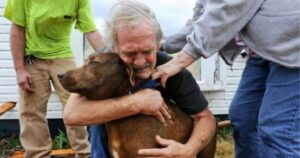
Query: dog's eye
(93, 62)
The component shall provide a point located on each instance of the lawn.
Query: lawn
(225, 144)
(225, 147)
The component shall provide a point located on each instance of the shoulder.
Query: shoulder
(162, 57)
(183, 89)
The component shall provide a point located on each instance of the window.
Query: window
(172, 15)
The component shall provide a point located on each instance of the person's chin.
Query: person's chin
(143, 75)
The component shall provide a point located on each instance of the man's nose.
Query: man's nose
(139, 60)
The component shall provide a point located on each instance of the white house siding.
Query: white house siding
(220, 100)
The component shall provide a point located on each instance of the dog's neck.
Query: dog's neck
(129, 84)
(123, 86)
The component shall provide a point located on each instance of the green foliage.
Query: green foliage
(12, 144)
(9, 146)
(225, 133)
(225, 144)
(61, 141)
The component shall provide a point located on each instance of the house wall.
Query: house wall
(219, 100)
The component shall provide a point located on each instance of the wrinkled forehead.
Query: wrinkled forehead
(139, 37)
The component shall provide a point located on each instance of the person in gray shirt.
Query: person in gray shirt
(265, 112)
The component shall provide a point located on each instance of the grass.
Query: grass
(225, 144)
(9, 145)
(225, 147)
(61, 141)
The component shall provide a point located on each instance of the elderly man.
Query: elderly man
(135, 34)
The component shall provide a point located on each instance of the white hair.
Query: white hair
(129, 13)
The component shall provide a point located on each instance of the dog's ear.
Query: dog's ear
(121, 62)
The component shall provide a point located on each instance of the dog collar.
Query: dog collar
(147, 84)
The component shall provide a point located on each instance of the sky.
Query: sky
(172, 14)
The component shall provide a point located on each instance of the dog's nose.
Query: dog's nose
(60, 76)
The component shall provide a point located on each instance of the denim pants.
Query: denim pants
(265, 111)
(98, 140)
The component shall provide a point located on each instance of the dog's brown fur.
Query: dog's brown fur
(104, 76)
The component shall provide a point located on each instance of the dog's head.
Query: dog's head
(98, 78)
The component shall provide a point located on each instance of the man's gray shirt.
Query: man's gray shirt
(271, 28)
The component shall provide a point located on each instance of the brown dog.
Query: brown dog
(105, 76)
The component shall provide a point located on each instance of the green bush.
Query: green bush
(61, 141)
(9, 146)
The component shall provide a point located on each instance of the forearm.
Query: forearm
(95, 39)
(97, 111)
(220, 22)
(17, 42)
(204, 130)
(182, 60)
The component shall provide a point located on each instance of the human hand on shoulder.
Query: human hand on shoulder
(174, 66)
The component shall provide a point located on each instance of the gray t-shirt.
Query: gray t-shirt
(270, 28)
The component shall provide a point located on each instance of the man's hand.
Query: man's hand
(24, 80)
(152, 104)
(178, 63)
(172, 149)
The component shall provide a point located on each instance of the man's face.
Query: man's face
(137, 47)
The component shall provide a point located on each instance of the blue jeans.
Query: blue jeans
(98, 140)
(265, 111)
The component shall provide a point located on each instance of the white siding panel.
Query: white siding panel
(238, 66)
(5, 55)
(4, 38)
(233, 80)
(8, 97)
(6, 64)
(14, 97)
(220, 111)
(54, 111)
(5, 23)
(231, 88)
(54, 114)
(7, 72)
(234, 73)
(229, 95)
(54, 106)
(2, 4)
(4, 46)
(9, 89)
(11, 115)
(54, 98)
(214, 95)
(6, 81)
(218, 103)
